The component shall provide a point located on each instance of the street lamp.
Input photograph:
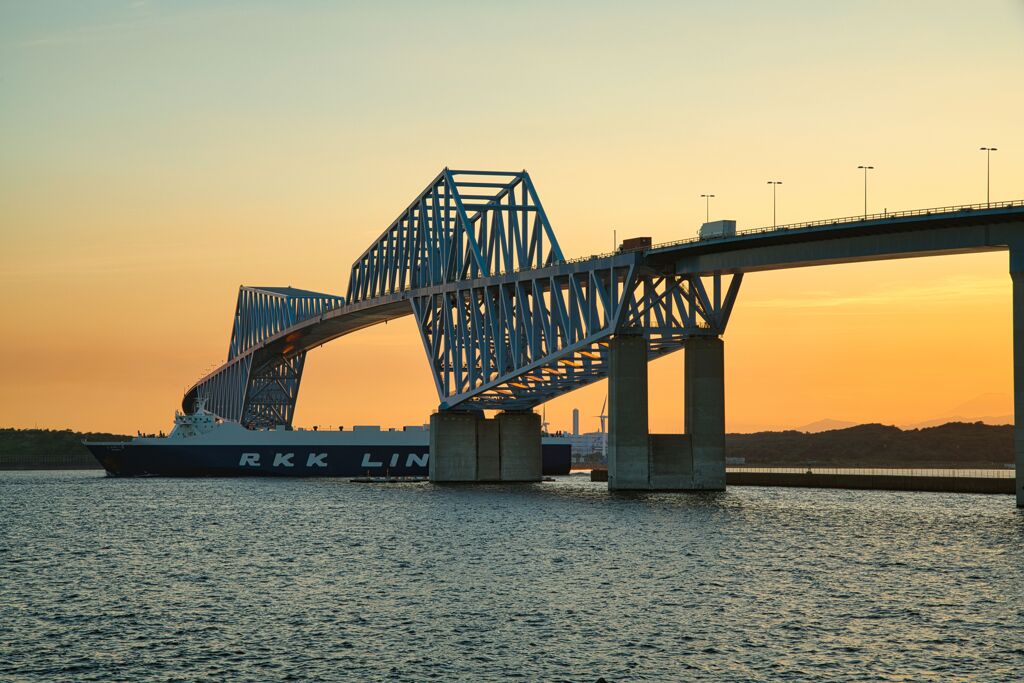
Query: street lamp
(707, 206)
(774, 184)
(866, 169)
(988, 173)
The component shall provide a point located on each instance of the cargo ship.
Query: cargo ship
(204, 445)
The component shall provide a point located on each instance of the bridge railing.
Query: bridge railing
(988, 473)
(885, 215)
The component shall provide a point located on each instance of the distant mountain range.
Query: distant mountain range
(829, 424)
(990, 408)
(825, 425)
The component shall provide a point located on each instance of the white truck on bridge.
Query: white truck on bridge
(713, 229)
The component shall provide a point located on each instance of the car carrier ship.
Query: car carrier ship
(204, 445)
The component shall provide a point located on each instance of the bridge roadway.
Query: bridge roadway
(507, 323)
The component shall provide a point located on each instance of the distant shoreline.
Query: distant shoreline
(36, 461)
(953, 445)
(957, 445)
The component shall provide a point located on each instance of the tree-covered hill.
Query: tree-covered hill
(955, 444)
(50, 441)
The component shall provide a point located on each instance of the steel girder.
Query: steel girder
(512, 343)
(465, 225)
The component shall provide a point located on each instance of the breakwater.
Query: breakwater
(936, 480)
(948, 481)
(52, 461)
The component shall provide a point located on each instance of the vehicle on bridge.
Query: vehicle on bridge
(713, 229)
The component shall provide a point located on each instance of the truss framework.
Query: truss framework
(264, 396)
(515, 344)
(463, 226)
(262, 312)
(505, 322)
(224, 390)
(272, 392)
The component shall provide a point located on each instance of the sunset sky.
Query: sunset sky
(155, 155)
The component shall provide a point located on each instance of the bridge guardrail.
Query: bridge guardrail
(885, 215)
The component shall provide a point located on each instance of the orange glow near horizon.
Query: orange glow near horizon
(141, 183)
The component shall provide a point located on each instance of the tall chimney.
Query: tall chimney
(575, 421)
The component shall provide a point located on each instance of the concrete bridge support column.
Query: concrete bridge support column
(488, 455)
(640, 461)
(704, 420)
(453, 446)
(628, 439)
(467, 448)
(1017, 274)
(519, 446)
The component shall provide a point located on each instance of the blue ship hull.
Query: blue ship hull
(167, 460)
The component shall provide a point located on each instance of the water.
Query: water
(254, 579)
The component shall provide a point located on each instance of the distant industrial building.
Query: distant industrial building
(589, 449)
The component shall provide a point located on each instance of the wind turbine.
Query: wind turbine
(604, 434)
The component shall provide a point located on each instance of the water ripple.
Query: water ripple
(239, 580)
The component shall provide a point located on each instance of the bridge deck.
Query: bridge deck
(922, 232)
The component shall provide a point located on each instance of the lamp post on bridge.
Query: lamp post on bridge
(988, 173)
(774, 184)
(866, 169)
(707, 206)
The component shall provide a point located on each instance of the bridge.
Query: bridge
(507, 323)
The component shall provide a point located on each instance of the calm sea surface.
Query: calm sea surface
(264, 580)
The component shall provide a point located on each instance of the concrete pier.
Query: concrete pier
(453, 449)
(519, 446)
(628, 448)
(488, 452)
(465, 447)
(1017, 274)
(641, 461)
(704, 406)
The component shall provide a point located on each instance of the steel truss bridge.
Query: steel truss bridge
(507, 322)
